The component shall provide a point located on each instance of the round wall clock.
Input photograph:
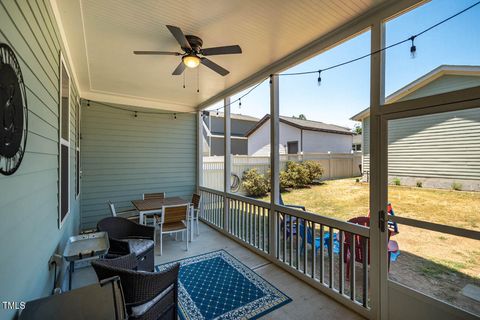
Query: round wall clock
(13, 112)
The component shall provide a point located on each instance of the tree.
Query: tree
(301, 116)
(357, 129)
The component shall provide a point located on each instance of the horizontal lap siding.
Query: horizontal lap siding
(124, 157)
(445, 145)
(29, 232)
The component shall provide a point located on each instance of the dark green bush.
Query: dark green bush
(297, 175)
(315, 170)
(254, 183)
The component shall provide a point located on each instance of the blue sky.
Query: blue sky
(346, 90)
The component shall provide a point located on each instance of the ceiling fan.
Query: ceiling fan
(193, 53)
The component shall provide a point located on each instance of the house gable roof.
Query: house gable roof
(304, 125)
(422, 82)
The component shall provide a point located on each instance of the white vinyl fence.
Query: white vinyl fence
(335, 165)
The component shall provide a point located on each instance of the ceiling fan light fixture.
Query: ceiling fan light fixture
(191, 61)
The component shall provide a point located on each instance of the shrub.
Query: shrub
(357, 180)
(456, 186)
(315, 170)
(419, 184)
(297, 175)
(285, 181)
(396, 181)
(254, 183)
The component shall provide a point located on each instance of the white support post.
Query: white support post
(274, 163)
(199, 150)
(377, 273)
(227, 158)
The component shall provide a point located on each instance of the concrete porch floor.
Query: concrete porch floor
(308, 303)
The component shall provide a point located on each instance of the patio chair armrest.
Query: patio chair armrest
(139, 231)
(128, 261)
(145, 286)
(118, 247)
(296, 207)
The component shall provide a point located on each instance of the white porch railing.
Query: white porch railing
(303, 244)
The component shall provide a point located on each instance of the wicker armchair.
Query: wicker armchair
(126, 237)
(148, 295)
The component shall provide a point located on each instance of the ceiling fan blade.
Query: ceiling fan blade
(179, 69)
(222, 50)
(215, 67)
(178, 34)
(162, 53)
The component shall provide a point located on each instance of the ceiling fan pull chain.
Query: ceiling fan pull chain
(198, 80)
(184, 80)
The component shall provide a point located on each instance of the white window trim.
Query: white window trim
(77, 147)
(63, 142)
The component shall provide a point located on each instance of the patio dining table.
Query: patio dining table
(154, 206)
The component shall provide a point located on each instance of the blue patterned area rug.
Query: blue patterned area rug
(215, 285)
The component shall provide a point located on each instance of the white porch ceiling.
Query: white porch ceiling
(101, 35)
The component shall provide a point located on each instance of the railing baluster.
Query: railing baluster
(305, 244)
(284, 237)
(291, 238)
(267, 229)
(215, 209)
(352, 268)
(322, 255)
(297, 242)
(257, 226)
(330, 257)
(365, 271)
(341, 277)
(250, 206)
(314, 250)
(237, 218)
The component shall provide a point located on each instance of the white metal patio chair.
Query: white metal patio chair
(196, 210)
(131, 214)
(173, 219)
(149, 218)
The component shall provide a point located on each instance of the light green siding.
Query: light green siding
(125, 156)
(29, 232)
(445, 145)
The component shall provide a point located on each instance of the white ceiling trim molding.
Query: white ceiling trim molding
(86, 46)
(106, 97)
(349, 30)
(66, 48)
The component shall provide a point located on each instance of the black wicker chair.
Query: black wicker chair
(148, 295)
(126, 237)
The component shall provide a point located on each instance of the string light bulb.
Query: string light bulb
(319, 79)
(413, 48)
(240, 103)
(174, 116)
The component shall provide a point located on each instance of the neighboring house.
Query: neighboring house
(298, 136)
(357, 142)
(436, 150)
(214, 134)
